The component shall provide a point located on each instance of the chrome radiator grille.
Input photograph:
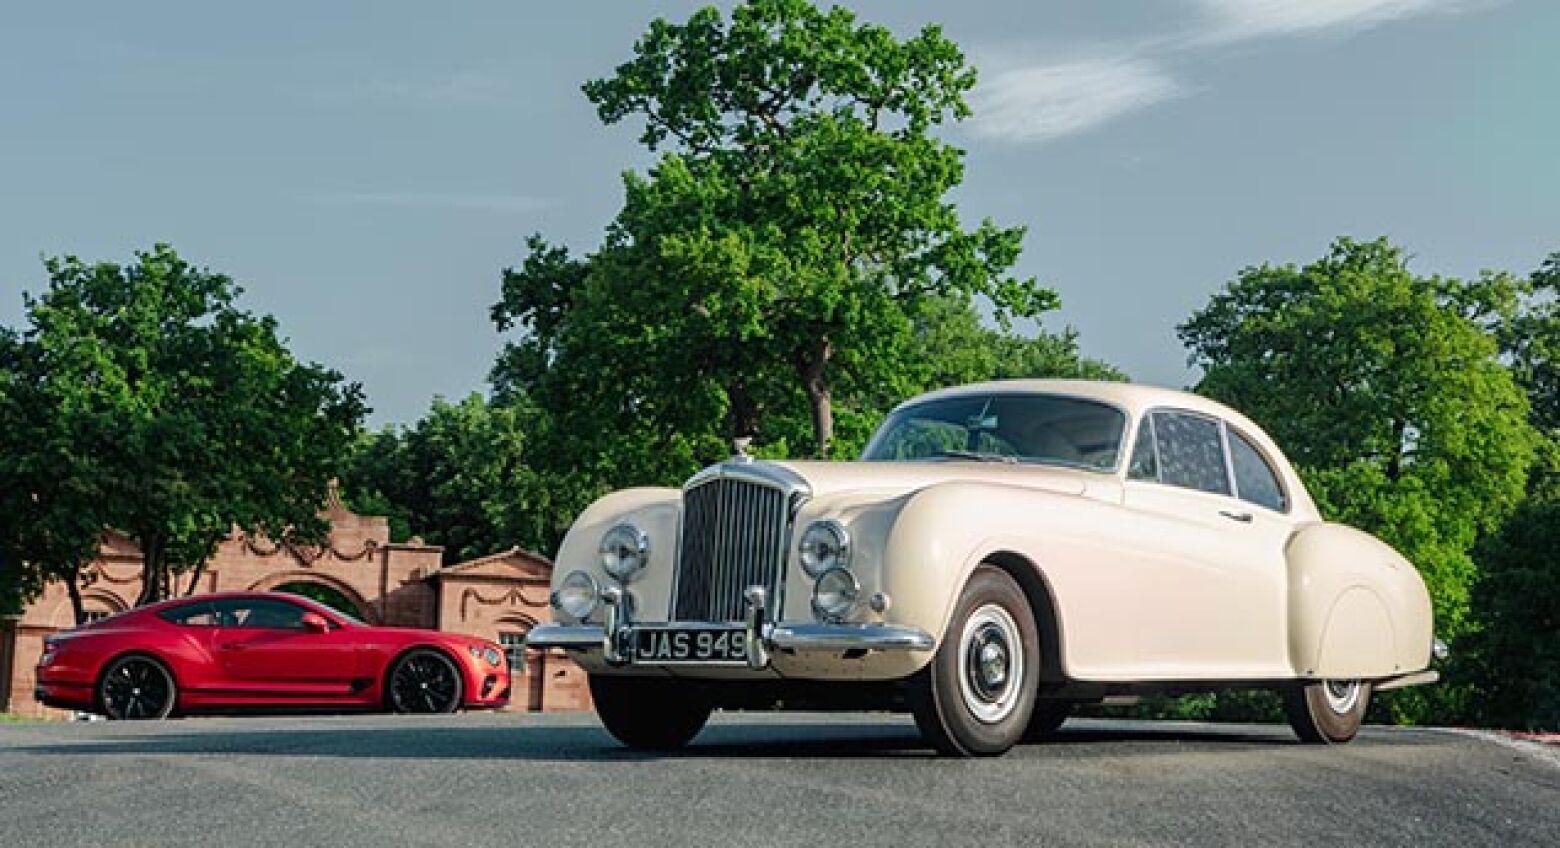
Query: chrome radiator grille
(733, 537)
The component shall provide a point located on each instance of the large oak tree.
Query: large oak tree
(769, 272)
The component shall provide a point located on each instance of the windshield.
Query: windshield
(1049, 429)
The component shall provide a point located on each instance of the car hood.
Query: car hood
(825, 478)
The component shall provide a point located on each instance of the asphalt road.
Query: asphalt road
(816, 781)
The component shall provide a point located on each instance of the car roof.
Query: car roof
(1132, 398)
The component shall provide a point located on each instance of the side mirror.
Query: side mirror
(315, 623)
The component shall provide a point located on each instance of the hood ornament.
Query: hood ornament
(740, 445)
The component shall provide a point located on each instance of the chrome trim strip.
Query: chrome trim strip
(568, 636)
(850, 637)
(1418, 678)
(762, 473)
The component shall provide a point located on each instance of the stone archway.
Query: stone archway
(97, 603)
(339, 592)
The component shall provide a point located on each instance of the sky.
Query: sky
(367, 169)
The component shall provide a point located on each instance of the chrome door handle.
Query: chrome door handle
(1242, 517)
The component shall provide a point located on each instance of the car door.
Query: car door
(1210, 603)
(264, 650)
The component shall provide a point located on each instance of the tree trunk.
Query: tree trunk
(744, 411)
(154, 568)
(73, 587)
(195, 575)
(818, 397)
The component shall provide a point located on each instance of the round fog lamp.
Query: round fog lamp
(835, 594)
(824, 545)
(577, 595)
(625, 551)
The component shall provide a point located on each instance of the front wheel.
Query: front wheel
(976, 696)
(424, 681)
(650, 714)
(1327, 711)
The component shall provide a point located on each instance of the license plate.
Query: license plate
(690, 645)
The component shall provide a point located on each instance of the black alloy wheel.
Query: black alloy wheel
(424, 681)
(135, 688)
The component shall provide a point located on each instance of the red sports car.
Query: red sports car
(263, 651)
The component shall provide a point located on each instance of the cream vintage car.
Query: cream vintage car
(1000, 554)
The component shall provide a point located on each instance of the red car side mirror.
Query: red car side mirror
(315, 623)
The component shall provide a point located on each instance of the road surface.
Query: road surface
(754, 780)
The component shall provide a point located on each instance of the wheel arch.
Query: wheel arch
(441, 650)
(1042, 604)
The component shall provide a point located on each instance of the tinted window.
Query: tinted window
(190, 615)
(1255, 480)
(1191, 452)
(260, 613)
(1144, 465)
(1024, 427)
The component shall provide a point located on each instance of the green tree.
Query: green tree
(459, 477)
(49, 502)
(1515, 655)
(163, 410)
(1387, 391)
(778, 254)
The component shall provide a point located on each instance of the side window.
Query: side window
(260, 613)
(190, 615)
(1255, 480)
(1191, 452)
(1144, 465)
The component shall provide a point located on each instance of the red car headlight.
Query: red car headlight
(486, 653)
(49, 653)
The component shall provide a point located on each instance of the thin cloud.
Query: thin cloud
(1038, 103)
(1227, 21)
(467, 202)
(457, 88)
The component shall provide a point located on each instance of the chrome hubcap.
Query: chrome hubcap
(993, 664)
(1342, 695)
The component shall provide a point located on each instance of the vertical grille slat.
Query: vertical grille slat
(732, 532)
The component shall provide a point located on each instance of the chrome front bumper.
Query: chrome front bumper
(762, 636)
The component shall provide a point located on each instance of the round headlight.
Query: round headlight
(577, 596)
(625, 551)
(835, 594)
(825, 545)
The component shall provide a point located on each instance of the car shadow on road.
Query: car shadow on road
(729, 738)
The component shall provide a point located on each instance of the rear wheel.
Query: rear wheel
(1327, 711)
(650, 714)
(137, 687)
(976, 696)
(424, 681)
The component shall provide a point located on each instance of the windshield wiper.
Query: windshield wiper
(978, 456)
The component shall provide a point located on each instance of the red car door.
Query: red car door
(264, 651)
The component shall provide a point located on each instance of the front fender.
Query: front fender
(930, 541)
(657, 511)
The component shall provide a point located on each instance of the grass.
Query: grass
(12, 718)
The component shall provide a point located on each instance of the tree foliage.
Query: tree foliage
(769, 270)
(461, 477)
(145, 400)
